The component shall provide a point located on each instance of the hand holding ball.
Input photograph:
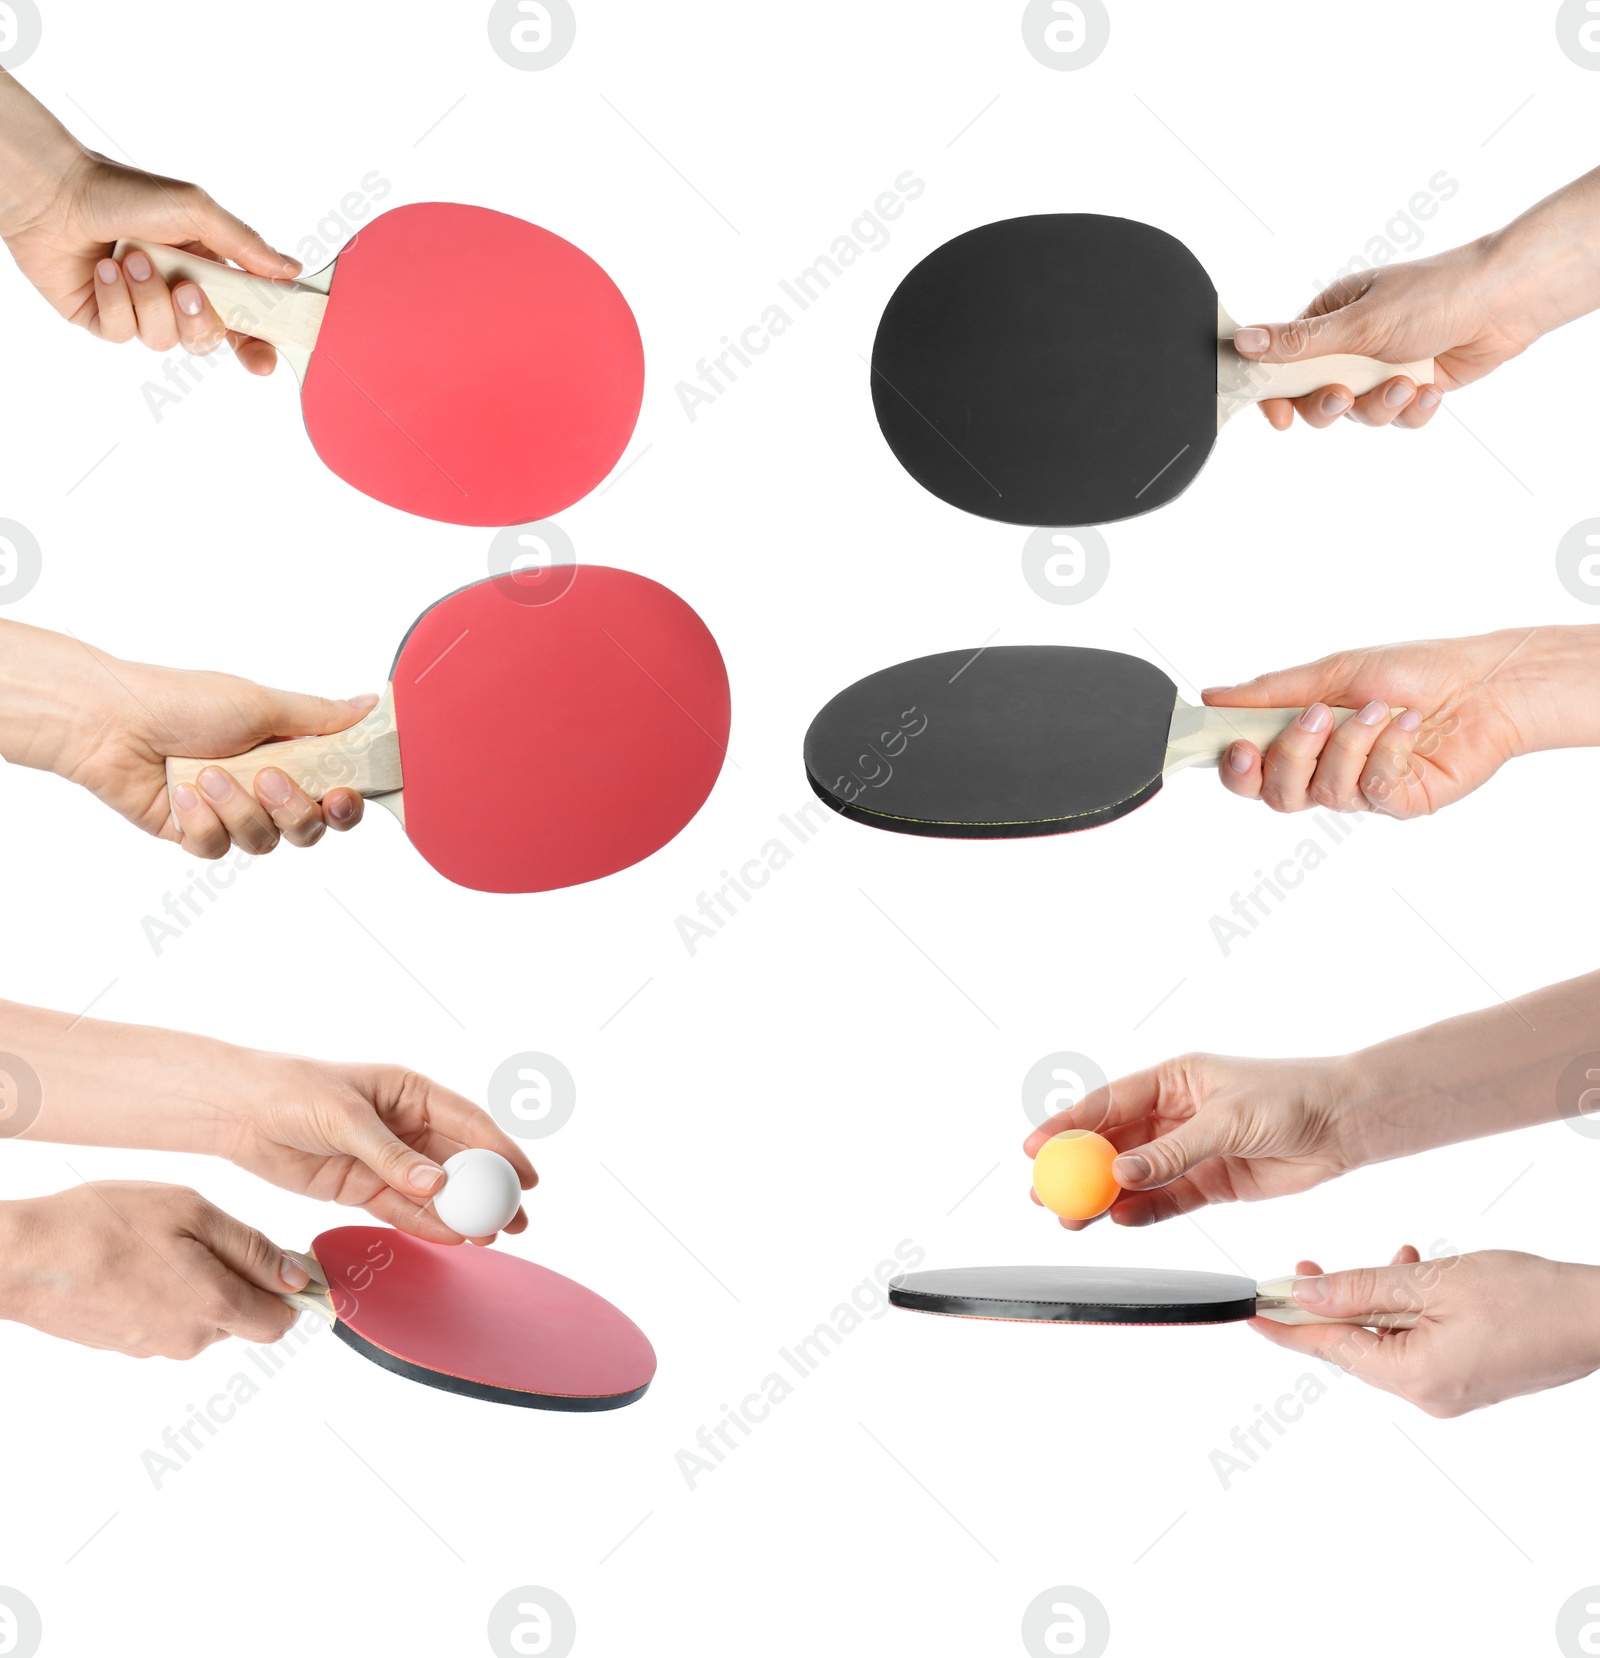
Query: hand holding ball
(1072, 1174)
(480, 1195)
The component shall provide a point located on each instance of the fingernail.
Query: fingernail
(1310, 1292)
(1335, 402)
(1218, 690)
(1315, 718)
(217, 784)
(1398, 395)
(1130, 1169)
(341, 808)
(1375, 713)
(274, 788)
(188, 299)
(107, 271)
(424, 1176)
(1427, 398)
(1251, 339)
(1410, 720)
(363, 704)
(137, 267)
(184, 798)
(293, 1274)
(1240, 759)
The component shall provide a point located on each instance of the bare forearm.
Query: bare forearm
(1550, 679)
(1483, 1073)
(36, 153)
(91, 1082)
(1547, 260)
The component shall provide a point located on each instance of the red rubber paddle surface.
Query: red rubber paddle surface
(546, 744)
(472, 367)
(481, 1322)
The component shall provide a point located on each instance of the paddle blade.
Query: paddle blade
(547, 744)
(481, 1322)
(1053, 370)
(993, 744)
(472, 367)
(1077, 1295)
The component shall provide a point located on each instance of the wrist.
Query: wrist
(1547, 681)
(38, 157)
(1541, 269)
(21, 1279)
(56, 699)
(1578, 1288)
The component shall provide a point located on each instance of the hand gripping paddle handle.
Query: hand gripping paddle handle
(366, 758)
(1241, 381)
(285, 314)
(1275, 1300)
(316, 1297)
(1201, 736)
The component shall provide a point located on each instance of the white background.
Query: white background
(764, 1121)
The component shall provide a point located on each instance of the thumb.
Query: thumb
(1369, 1292)
(366, 1136)
(248, 1273)
(1160, 1162)
(1356, 328)
(281, 714)
(1323, 681)
(230, 237)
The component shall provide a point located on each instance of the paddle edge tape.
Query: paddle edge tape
(1030, 828)
(468, 1389)
(1067, 1312)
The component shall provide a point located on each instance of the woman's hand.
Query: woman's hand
(62, 210)
(370, 1136)
(1203, 1129)
(1469, 706)
(111, 727)
(142, 1269)
(1470, 310)
(1490, 1326)
(1443, 307)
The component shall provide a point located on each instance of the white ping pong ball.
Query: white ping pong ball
(480, 1195)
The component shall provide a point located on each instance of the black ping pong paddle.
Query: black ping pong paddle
(1110, 1295)
(1069, 368)
(1015, 740)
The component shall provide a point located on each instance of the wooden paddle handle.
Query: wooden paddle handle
(1275, 1300)
(1241, 381)
(285, 314)
(1201, 736)
(365, 758)
(316, 1297)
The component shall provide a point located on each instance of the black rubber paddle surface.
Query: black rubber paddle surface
(1009, 741)
(1077, 1295)
(1053, 370)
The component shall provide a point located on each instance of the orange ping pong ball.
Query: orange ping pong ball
(1072, 1174)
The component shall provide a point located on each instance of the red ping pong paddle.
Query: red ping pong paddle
(454, 362)
(530, 745)
(480, 1322)
(1110, 1295)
